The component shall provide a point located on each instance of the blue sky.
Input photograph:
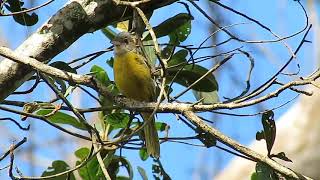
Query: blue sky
(180, 161)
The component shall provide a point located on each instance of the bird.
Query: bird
(132, 77)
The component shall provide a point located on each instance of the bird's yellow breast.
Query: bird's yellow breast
(132, 77)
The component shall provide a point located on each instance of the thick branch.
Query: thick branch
(77, 18)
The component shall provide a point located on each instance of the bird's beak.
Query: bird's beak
(114, 42)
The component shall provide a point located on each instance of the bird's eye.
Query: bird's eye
(126, 41)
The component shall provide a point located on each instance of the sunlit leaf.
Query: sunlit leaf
(182, 32)
(123, 26)
(90, 169)
(61, 118)
(150, 52)
(143, 154)
(161, 126)
(100, 74)
(118, 120)
(108, 102)
(254, 176)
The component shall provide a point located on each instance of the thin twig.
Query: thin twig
(13, 148)
(16, 123)
(44, 119)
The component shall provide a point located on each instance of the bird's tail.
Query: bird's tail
(151, 136)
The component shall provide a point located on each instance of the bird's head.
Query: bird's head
(123, 43)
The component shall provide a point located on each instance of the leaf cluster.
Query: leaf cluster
(16, 6)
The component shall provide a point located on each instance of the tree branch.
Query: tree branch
(191, 116)
(90, 81)
(75, 19)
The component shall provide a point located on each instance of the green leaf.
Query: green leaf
(206, 89)
(108, 32)
(21, 18)
(168, 50)
(58, 166)
(259, 135)
(254, 176)
(100, 74)
(142, 173)
(63, 66)
(112, 88)
(82, 153)
(176, 36)
(108, 157)
(178, 58)
(161, 126)
(191, 73)
(108, 102)
(90, 170)
(128, 166)
(264, 172)
(182, 32)
(282, 156)
(206, 97)
(61, 118)
(118, 120)
(269, 129)
(174, 24)
(143, 154)
(150, 52)
(116, 163)
(110, 62)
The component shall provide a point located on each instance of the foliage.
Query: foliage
(24, 19)
(116, 129)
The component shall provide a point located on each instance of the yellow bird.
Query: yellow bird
(133, 79)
